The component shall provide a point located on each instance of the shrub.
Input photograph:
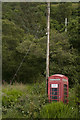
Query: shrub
(39, 88)
(12, 113)
(26, 101)
(10, 97)
(58, 110)
(74, 96)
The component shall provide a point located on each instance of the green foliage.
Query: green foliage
(63, 59)
(12, 36)
(39, 88)
(74, 96)
(28, 105)
(61, 11)
(58, 110)
(32, 102)
(74, 33)
(58, 15)
(11, 113)
(10, 97)
(24, 24)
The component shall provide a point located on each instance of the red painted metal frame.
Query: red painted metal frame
(62, 81)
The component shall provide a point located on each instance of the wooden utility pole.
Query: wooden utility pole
(48, 38)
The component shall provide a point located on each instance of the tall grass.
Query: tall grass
(58, 110)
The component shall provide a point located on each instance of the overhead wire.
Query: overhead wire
(21, 63)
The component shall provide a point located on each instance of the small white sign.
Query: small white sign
(54, 79)
(54, 85)
(64, 80)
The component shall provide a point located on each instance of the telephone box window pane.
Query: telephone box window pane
(54, 89)
(54, 97)
(65, 101)
(65, 97)
(54, 93)
(65, 90)
(65, 93)
(50, 91)
(65, 85)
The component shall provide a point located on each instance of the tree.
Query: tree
(63, 58)
(73, 32)
(12, 36)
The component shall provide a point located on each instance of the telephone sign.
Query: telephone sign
(54, 85)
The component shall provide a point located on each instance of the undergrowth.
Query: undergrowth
(58, 110)
(30, 101)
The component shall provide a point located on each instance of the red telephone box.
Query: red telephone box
(58, 88)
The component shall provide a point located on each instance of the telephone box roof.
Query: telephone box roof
(60, 75)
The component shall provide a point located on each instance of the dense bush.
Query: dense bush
(10, 97)
(25, 100)
(74, 97)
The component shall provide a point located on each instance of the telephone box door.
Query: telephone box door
(54, 93)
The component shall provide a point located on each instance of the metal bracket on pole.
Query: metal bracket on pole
(66, 24)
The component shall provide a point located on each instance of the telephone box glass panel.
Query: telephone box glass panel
(65, 93)
(54, 92)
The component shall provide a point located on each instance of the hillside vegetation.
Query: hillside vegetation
(24, 25)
